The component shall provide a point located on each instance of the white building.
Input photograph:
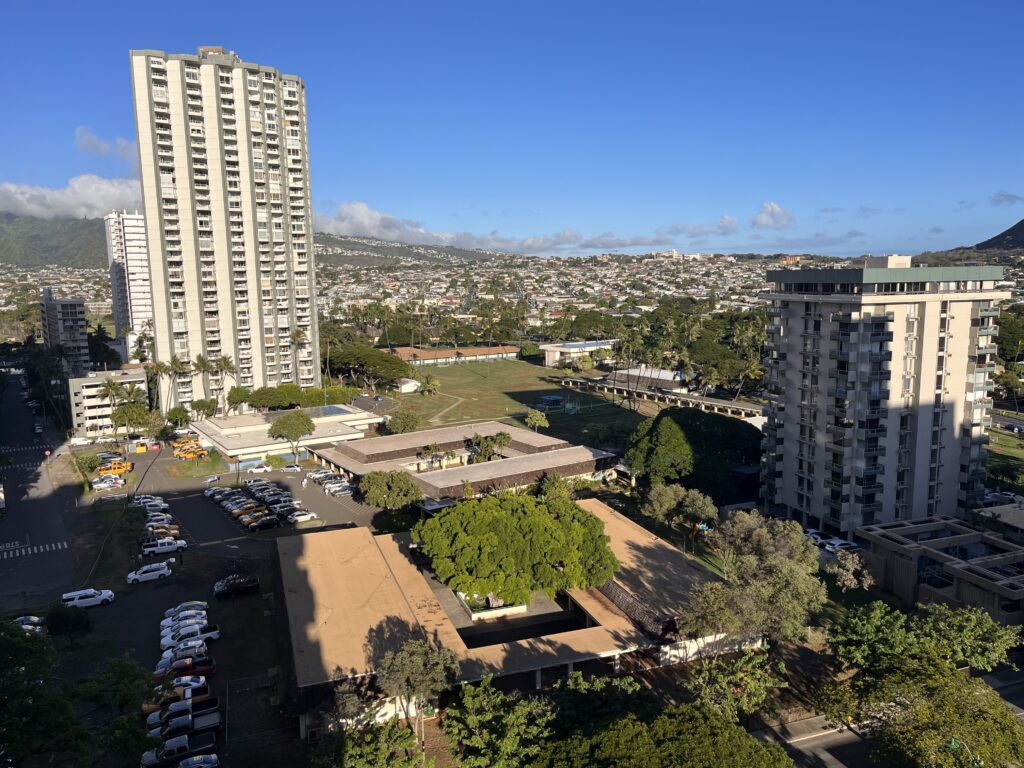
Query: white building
(128, 264)
(879, 391)
(224, 165)
(91, 407)
(64, 327)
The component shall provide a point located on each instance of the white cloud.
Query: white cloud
(85, 196)
(725, 225)
(357, 219)
(88, 142)
(772, 216)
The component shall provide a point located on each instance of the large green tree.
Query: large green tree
(403, 420)
(416, 673)
(737, 685)
(390, 490)
(491, 729)
(681, 737)
(292, 426)
(509, 547)
(391, 744)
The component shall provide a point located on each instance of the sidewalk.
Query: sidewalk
(813, 727)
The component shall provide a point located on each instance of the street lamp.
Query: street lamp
(955, 744)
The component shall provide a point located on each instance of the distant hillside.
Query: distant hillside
(367, 251)
(1011, 239)
(31, 242)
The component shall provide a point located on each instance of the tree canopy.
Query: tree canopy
(509, 547)
(681, 737)
(292, 426)
(390, 490)
(403, 420)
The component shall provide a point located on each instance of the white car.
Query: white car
(186, 648)
(291, 468)
(189, 681)
(81, 441)
(87, 598)
(179, 618)
(154, 506)
(163, 545)
(301, 517)
(150, 572)
(159, 517)
(833, 544)
(176, 627)
(188, 605)
(144, 497)
(841, 546)
(194, 632)
(260, 469)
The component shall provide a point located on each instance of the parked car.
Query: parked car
(178, 708)
(191, 632)
(163, 546)
(160, 530)
(153, 506)
(184, 649)
(841, 546)
(177, 693)
(188, 605)
(31, 625)
(284, 508)
(87, 598)
(318, 473)
(270, 521)
(110, 456)
(173, 751)
(200, 761)
(193, 665)
(291, 468)
(188, 725)
(260, 469)
(236, 584)
(160, 518)
(339, 490)
(182, 616)
(301, 516)
(150, 572)
(76, 441)
(814, 535)
(143, 498)
(189, 681)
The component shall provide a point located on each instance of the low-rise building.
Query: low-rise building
(944, 560)
(559, 355)
(350, 597)
(444, 472)
(451, 355)
(91, 406)
(243, 439)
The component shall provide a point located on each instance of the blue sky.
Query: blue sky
(571, 127)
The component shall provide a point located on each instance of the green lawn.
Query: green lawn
(1006, 460)
(211, 465)
(504, 389)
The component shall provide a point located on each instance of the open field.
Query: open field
(503, 390)
(1006, 460)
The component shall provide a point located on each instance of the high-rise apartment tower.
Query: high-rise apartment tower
(64, 328)
(879, 380)
(128, 264)
(224, 164)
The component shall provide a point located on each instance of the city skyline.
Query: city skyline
(582, 130)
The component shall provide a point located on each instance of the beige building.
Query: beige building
(224, 164)
(879, 381)
(64, 327)
(128, 266)
(943, 560)
(91, 407)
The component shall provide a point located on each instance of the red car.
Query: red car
(193, 665)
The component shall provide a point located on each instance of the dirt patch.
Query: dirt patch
(437, 745)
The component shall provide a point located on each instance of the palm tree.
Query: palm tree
(224, 366)
(176, 369)
(160, 371)
(299, 340)
(111, 389)
(430, 385)
(133, 393)
(751, 370)
(204, 368)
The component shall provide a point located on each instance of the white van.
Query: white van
(87, 598)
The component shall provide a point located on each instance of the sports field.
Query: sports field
(504, 389)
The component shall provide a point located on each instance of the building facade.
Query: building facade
(90, 404)
(128, 265)
(879, 381)
(224, 165)
(64, 326)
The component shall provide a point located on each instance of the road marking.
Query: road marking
(223, 541)
(36, 549)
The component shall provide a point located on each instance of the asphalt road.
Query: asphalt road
(35, 558)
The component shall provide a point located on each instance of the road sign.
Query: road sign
(46, 452)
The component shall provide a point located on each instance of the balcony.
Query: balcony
(878, 450)
(988, 330)
(990, 312)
